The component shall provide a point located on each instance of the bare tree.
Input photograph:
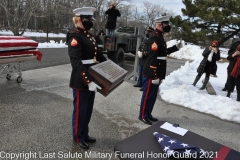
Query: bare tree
(18, 14)
(56, 15)
(101, 7)
(98, 14)
(151, 12)
(125, 17)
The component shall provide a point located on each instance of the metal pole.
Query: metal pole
(132, 77)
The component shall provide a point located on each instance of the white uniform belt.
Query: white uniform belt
(89, 61)
(164, 58)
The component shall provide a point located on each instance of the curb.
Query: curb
(209, 88)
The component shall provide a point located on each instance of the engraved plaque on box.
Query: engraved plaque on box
(108, 75)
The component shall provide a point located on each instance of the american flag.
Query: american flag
(174, 148)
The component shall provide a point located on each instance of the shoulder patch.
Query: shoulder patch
(154, 46)
(74, 42)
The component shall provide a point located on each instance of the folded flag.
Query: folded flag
(176, 149)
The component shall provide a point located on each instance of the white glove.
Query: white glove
(180, 44)
(155, 81)
(140, 55)
(93, 86)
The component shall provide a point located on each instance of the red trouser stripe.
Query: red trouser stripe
(222, 153)
(77, 114)
(146, 97)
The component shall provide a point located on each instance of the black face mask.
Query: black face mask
(87, 24)
(166, 28)
(147, 35)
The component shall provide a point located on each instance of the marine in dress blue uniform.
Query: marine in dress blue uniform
(142, 57)
(83, 52)
(154, 69)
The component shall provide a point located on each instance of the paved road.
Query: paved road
(51, 57)
(59, 56)
(35, 116)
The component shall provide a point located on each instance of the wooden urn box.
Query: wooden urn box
(108, 75)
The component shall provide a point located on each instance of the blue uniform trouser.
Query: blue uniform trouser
(140, 76)
(83, 101)
(149, 97)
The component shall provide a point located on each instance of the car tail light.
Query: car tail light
(107, 39)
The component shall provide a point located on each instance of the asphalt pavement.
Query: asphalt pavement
(35, 115)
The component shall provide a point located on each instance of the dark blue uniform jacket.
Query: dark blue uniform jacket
(156, 68)
(82, 46)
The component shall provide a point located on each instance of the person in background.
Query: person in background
(214, 74)
(230, 88)
(142, 57)
(235, 73)
(101, 33)
(154, 70)
(112, 13)
(83, 52)
(210, 56)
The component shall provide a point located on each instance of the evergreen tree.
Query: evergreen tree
(206, 20)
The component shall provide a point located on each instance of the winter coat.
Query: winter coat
(231, 59)
(112, 18)
(205, 65)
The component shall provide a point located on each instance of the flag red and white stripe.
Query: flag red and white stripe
(14, 43)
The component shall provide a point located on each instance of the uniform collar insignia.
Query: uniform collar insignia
(82, 30)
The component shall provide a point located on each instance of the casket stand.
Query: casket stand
(15, 49)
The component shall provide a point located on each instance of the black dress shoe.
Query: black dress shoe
(141, 89)
(224, 89)
(90, 139)
(238, 98)
(136, 85)
(153, 119)
(228, 94)
(146, 121)
(82, 145)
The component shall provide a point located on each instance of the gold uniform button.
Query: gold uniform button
(93, 42)
(87, 80)
(95, 53)
(88, 35)
(159, 63)
(96, 48)
(85, 32)
(83, 73)
(90, 39)
(85, 77)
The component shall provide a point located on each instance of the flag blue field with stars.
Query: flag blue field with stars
(176, 149)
